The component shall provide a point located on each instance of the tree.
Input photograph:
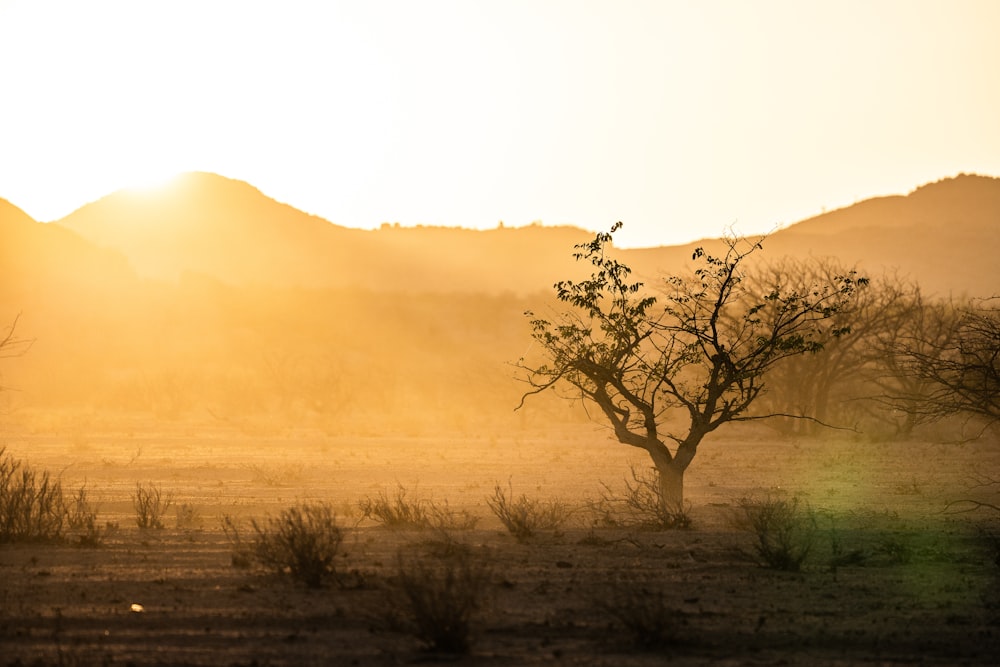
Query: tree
(957, 368)
(899, 393)
(700, 347)
(837, 384)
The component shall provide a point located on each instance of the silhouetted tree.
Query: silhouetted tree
(898, 392)
(701, 347)
(957, 368)
(839, 384)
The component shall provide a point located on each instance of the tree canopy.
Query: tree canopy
(699, 345)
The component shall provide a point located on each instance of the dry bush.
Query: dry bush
(640, 505)
(404, 512)
(32, 507)
(641, 607)
(80, 512)
(397, 511)
(440, 596)
(989, 538)
(276, 475)
(150, 504)
(242, 556)
(188, 517)
(81, 516)
(522, 516)
(840, 555)
(302, 541)
(784, 531)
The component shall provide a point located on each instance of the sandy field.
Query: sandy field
(896, 575)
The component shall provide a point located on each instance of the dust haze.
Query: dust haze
(244, 358)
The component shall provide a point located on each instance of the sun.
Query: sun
(150, 180)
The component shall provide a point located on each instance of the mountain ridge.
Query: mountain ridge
(36, 255)
(229, 230)
(232, 232)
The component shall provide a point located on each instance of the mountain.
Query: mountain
(37, 257)
(205, 223)
(11, 216)
(968, 201)
(943, 234)
(227, 229)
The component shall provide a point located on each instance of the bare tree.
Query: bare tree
(922, 325)
(952, 369)
(699, 348)
(839, 385)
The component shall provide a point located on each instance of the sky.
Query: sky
(681, 119)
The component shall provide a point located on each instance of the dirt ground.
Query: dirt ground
(921, 589)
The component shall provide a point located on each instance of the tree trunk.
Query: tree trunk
(671, 470)
(671, 486)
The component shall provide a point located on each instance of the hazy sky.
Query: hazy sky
(678, 118)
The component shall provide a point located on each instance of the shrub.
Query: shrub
(784, 533)
(285, 474)
(81, 517)
(441, 595)
(522, 516)
(641, 608)
(301, 541)
(894, 552)
(187, 517)
(398, 511)
(989, 538)
(150, 505)
(641, 505)
(839, 555)
(31, 504)
(401, 511)
(242, 552)
(80, 512)
(444, 519)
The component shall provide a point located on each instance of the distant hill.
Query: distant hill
(229, 230)
(12, 215)
(35, 257)
(942, 234)
(205, 223)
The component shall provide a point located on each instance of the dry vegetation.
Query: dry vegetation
(883, 573)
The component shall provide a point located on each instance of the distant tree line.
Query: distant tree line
(910, 361)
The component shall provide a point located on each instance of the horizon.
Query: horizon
(157, 187)
(681, 121)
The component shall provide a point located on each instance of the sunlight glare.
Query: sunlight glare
(149, 181)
